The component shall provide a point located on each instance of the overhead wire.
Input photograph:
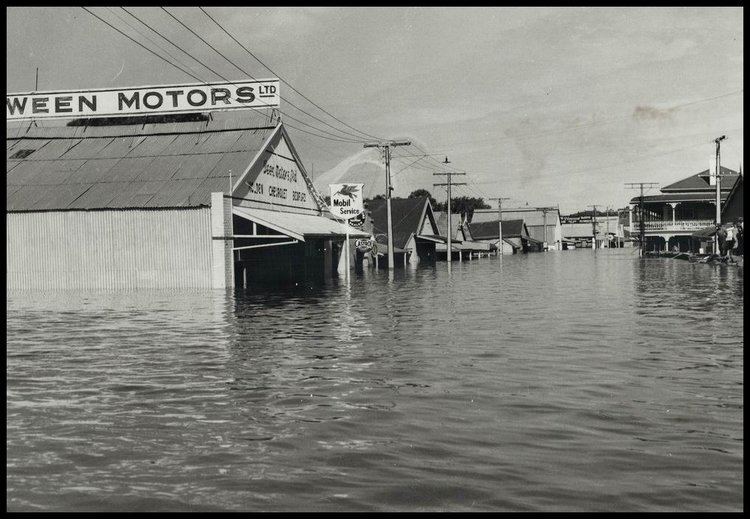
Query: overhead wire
(284, 80)
(250, 75)
(123, 20)
(332, 136)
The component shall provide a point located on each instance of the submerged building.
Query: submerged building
(415, 230)
(463, 244)
(543, 223)
(516, 236)
(170, 202)
(682, 210)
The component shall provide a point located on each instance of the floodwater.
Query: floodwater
(561, 381)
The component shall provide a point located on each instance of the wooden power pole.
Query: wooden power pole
(449, 183)
(641, 222)
(499, 223)
(387, 146)
(718, 189)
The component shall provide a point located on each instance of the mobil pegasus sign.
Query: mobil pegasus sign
(166, 99)
(346, 200)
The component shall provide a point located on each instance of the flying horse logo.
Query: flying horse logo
(347, 190)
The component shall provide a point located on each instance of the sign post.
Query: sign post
(346, 203)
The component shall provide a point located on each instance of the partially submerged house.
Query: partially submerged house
(543, 223)
(462, 241)
(169, 204)
(516, 237)
(579, 230)
(415, 230)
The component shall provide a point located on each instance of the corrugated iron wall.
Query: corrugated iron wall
(119, 249)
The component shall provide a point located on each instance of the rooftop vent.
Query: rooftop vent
(140, 119)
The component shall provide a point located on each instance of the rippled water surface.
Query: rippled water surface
(558, 381)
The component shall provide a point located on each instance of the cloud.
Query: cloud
(651, 113)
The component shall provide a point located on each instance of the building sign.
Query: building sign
(346, 200)
(711, 172)
(575, 219)
(197, 97)
(358, 222)
(278, 180)
(366, 246)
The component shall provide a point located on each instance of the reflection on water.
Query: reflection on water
(559, 381)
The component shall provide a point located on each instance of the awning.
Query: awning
(464, 246)
(436, 239)
(475, 245)
(532, 240)
(383, 249)
(296, 225)
(706, 232)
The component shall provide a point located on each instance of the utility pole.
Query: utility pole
(593, 228)
(387, 146)
(449, 184)
(608, 243)
(499, 223)
(718, 178)
(641, 222)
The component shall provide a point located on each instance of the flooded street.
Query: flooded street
(560, 381)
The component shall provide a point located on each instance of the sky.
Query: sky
(545, 106)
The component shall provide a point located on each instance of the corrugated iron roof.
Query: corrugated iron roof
(490, 231)
(406, 215)
(441, 219)
(700, 182)
(128, 166)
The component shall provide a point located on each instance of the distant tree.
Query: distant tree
(466, 205)
(379, 197)
(423, 192)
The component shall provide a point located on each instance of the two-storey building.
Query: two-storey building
(682, 208)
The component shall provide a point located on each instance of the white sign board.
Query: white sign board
(711, 172)
(170, 99)
(346, 200)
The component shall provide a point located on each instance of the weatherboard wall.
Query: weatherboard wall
(109, 249)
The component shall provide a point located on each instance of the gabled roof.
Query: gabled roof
(129, 166)
(490, 230)
(700, 182)
(407, 214)
(441, 218)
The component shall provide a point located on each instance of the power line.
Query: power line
(284, 80)
(250, 75)
(335, 137)
(593, 123)
(123, 20)
(141, 45)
